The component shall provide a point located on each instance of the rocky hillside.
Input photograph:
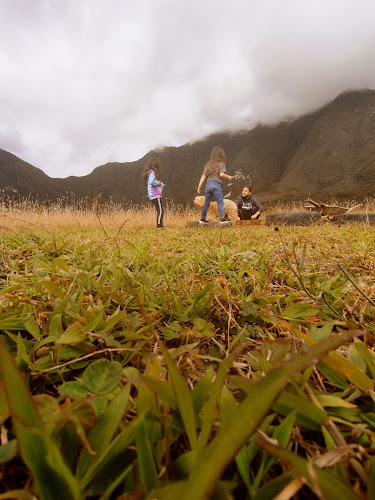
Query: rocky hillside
(327, 154)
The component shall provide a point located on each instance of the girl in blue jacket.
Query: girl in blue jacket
(151, 179)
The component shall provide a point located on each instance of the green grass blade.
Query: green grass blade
(121, 441)
(101, 434)
(146, 462)
(282, 435)
(41, 455)
(329, 484)
(183, 398)
(248, 416)
(146, 396)
(209, 410)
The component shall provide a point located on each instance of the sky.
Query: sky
(86, 82)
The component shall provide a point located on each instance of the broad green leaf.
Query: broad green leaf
(56, 328)
(322, 332)
(33, 328)
(99, 403)
(335, 379)
(227, 404)
(73, 389)
(247, 417)
(12, 324)
(54, 289)
(8, 451)
(326, 400)
(355, 357)
(93, 323)
(61, 264)
(349, 370)
(367, 354)
(102, 376)
(199, 324)
(72, 335)
(300, 311)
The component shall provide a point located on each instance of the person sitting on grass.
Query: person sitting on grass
(248, 206)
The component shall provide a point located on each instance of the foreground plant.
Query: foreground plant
(164, 368)
(106, 442)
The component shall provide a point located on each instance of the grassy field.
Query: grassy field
(225, 363)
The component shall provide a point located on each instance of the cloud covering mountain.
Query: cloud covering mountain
(84, 83)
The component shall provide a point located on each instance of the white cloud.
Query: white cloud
(87, 82)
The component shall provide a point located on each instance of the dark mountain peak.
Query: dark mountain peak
(325, 154)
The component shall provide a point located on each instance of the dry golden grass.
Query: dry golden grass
(110, 217)
(25, 213)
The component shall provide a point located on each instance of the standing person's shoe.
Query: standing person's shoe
(224, 221)
(203, 222)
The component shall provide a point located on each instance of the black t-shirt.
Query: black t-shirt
(248, 206)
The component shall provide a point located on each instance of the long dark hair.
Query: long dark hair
(217, 156)
(152, 164)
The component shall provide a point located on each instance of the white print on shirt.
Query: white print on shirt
(247, 205)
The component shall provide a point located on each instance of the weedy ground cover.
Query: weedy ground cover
(224, 363)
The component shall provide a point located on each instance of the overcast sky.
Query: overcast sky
(85, 82)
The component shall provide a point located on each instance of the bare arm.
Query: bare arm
(202, 179)
(225, 176)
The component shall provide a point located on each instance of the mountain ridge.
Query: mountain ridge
(326, 154)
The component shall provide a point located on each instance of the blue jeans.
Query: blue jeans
(213, 190)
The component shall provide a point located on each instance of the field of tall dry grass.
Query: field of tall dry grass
(25, 213)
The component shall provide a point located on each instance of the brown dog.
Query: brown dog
(230, 209)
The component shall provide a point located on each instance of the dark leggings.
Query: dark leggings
(159, 211)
